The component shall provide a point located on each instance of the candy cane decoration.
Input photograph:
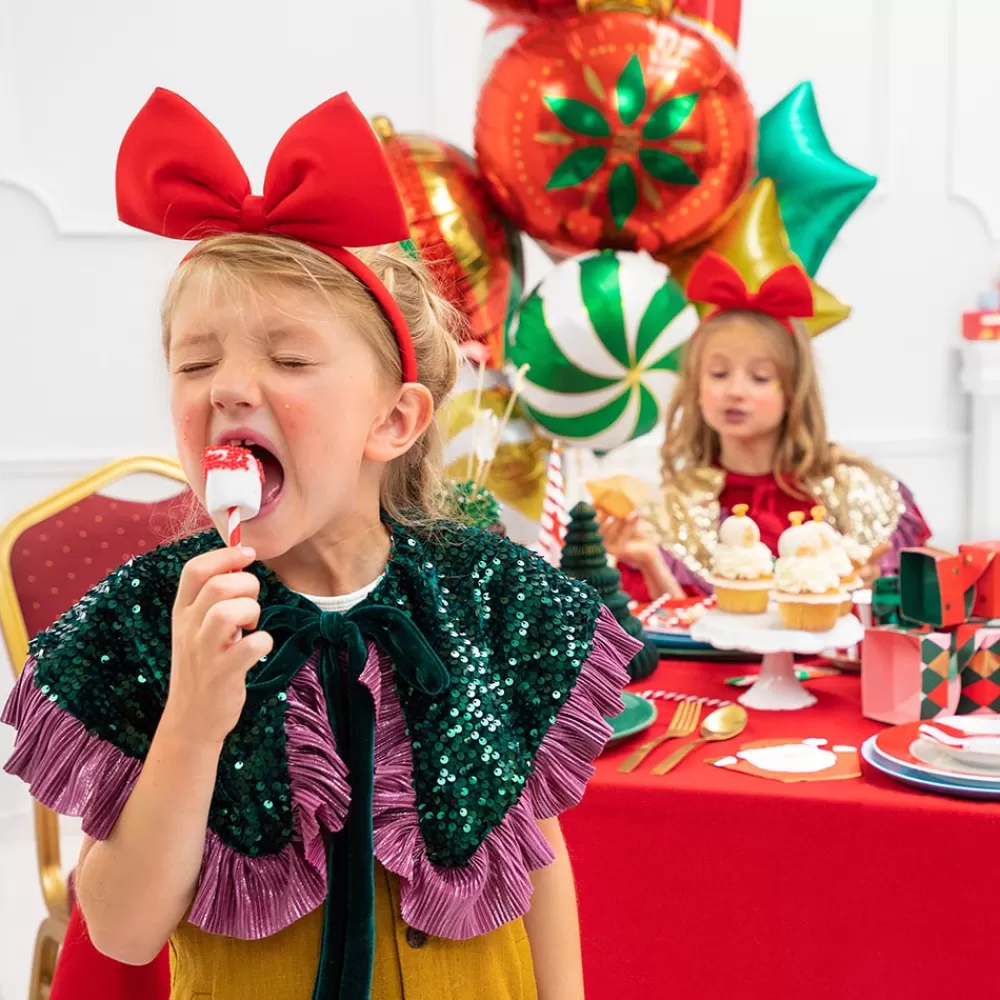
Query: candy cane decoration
(680, 696)
(555, 520)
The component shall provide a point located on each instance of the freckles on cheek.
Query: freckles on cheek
(294, 415)
(184, 422)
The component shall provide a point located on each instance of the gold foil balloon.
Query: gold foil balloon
(517, 476)
(755, 242)
(472, 252)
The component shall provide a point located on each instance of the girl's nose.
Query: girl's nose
(234, 390)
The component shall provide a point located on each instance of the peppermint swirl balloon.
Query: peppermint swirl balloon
(604, 335)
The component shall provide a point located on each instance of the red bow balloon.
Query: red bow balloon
(784, 294)
(327, 185)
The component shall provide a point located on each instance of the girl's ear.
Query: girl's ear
(398, 428)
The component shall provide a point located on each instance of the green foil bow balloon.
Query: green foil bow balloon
(817, 190)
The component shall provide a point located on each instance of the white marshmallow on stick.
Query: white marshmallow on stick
(233, 483)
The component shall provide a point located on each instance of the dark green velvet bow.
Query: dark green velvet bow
(345, 970)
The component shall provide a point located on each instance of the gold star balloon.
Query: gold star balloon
(755, 242)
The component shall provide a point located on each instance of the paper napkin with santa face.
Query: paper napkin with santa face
(793, 760)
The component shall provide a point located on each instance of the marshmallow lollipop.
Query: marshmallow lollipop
(233, 481)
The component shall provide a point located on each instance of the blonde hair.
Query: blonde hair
(804, 457)
(412, 487)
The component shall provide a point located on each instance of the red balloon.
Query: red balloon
(533, 8)
(615, 130)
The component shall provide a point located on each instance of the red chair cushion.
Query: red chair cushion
(55, 562)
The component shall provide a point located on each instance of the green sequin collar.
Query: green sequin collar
(512, 632)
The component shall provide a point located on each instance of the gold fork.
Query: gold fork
(684, 723)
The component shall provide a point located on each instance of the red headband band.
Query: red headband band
(327, 185)
(785, 294)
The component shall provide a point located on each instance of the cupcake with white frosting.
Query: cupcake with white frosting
(859, 554)
(807, 587)
(742, 566)
(834, 547)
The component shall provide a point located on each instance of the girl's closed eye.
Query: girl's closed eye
(289, 361)
(195, 367)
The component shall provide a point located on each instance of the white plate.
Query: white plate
(982, 752)
(937, 755)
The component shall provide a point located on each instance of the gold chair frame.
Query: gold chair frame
(15, 633)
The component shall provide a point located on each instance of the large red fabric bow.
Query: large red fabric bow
(327, 184)
(715, 281)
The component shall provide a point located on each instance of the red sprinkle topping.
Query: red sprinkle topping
(230, 456)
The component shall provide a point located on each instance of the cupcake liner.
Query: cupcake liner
(809, 612)
(742, 600)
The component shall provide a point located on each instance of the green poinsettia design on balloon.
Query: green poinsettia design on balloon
(643, 145)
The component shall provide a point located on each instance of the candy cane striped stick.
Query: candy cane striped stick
(235, 529)
(650, 609)
(680, 696)
(555, 520)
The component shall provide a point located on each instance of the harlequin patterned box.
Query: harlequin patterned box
(908, 675)
(979, 673)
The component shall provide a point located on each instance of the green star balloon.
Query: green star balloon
(817, 190)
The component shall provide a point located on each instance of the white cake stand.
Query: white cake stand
(777, 688)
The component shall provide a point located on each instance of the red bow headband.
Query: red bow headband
(786, 293)
(327, 185)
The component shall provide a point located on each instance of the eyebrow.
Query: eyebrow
(195, 339)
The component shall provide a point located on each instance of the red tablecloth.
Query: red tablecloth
(706, 883)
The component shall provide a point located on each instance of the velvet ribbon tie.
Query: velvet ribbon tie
(348, 950)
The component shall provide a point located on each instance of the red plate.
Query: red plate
(894, 744)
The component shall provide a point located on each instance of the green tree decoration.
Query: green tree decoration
(474, 505)
(585, 558)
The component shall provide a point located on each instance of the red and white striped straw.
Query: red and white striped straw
(235, 530)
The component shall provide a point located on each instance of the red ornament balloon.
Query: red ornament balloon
(473, 254)
(615, 130)
(533, 8)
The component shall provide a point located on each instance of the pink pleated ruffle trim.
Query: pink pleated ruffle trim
(76, 773)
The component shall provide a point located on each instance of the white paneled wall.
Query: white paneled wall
(906, 90)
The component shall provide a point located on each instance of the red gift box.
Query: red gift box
(981, 325)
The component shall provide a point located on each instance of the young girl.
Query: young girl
(329, 762)
(746, 426)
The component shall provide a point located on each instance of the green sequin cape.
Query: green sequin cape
(535, 664)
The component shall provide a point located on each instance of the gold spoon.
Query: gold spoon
(723, 724)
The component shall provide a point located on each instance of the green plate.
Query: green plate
(638, 715)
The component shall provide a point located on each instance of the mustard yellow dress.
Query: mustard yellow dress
(409, 965)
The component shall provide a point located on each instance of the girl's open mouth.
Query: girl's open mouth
(274, 472)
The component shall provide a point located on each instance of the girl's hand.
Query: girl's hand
(871, 571)
(631, 540)
(628, 539)
(210, 655)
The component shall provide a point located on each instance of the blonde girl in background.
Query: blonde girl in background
(746, 426)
